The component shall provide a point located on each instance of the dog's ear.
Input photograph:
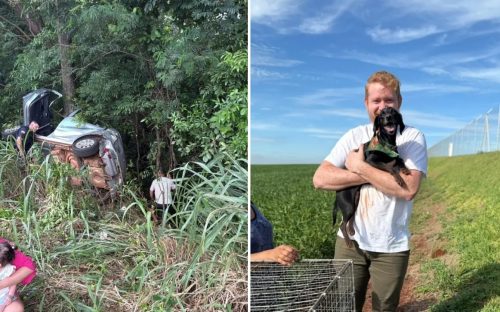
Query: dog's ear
(399, 119)
(376, 124)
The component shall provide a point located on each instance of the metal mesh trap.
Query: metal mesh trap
(308, 285)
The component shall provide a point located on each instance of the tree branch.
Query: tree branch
(25, 35)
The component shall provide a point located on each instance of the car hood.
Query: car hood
(70, 129)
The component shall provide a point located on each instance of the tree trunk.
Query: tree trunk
(172, 161)
(158, 149)
(137, 146)
(66, 72)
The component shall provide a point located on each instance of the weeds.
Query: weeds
(95, 257)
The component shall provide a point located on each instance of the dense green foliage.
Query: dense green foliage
(171, 77)
(469, 189)
(301, 216)
(95, 256)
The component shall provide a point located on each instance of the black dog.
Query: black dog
(380, 152)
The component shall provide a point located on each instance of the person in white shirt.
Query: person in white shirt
(161, 191)
(381, 241)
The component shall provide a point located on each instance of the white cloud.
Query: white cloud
(273, 61)
(323, 133)
(385, 35)
(458, 13)
(255, 139)
(435, 71)
(348, 112)
(287, 16)
(324, 21)
(267, 12)
(264, 55)
(266, 74)
(445, 15)
(262, 126)
(330, 96)
(437, 88)
(454, 65)
(489, 74)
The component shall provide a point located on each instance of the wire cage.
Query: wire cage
(308, 285)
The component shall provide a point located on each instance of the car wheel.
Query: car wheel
(9, 132)
(86, 146)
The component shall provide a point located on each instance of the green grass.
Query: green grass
(301, 216)
(97, 256)
(467, 189)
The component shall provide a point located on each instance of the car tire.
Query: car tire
(86, 146)
(9, 132)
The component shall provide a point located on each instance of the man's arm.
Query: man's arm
(382, 180)
(332, 178)
(20, 145)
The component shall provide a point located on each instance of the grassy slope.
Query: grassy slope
(466, 188)
(469, 189)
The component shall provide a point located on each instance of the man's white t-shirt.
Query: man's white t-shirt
(162, 188)
(381, 221)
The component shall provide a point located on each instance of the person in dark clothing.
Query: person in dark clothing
(25, 136)
(262, 246)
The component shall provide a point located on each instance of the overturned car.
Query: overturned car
(83, 145)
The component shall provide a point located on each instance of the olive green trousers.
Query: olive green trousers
(386, 270)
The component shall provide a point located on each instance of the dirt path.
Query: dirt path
(425, 244)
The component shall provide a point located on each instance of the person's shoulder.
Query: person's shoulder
(362, 128)
(411, 137)
(22, 130)
(411, 132)
(362, 132)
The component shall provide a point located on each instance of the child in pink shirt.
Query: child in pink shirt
(24, 274)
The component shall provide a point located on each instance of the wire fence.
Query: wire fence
(479, 136)
(309, 285)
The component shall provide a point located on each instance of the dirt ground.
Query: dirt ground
(425, 244)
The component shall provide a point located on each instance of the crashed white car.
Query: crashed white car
(80, 144)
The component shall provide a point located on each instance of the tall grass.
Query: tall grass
(95, 256)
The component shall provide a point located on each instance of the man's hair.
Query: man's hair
(7, 253)
(386, 79)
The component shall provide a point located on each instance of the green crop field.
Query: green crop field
(462, 195)
(301, 215)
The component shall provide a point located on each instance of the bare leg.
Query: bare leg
(16, 306)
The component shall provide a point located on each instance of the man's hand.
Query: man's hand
(355, 159)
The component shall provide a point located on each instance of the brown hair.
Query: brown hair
(6, 253)
(386, 79)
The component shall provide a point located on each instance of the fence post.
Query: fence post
(487, 129)
(498, 129)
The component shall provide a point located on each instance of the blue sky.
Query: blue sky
(310, 61)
